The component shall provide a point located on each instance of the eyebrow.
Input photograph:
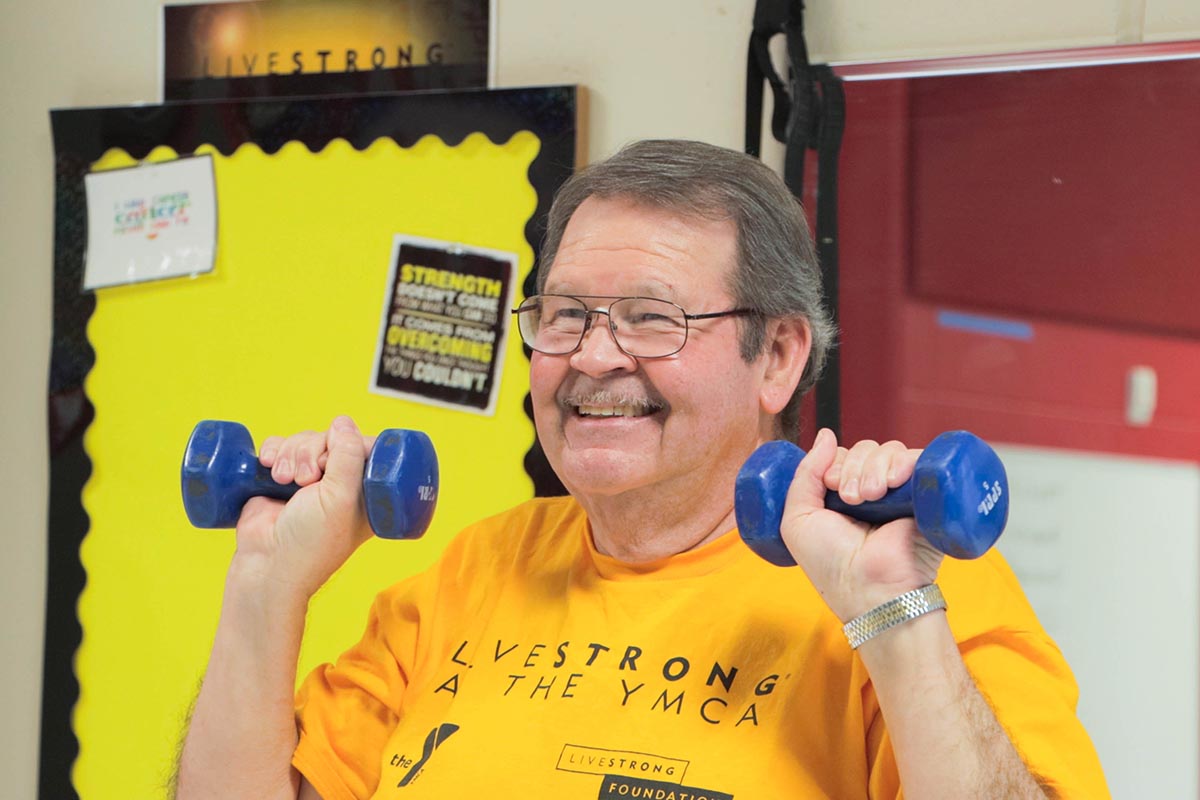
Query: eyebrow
(657, 290)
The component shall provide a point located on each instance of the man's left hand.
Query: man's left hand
(854, 565)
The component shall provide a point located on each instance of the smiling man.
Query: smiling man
(627, 407)
(622, 641)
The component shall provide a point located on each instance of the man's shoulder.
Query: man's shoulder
(540, 524)
(536, 536)
(984, 594)
(538, 511)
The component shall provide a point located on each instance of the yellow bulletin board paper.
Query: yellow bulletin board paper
(281, 336)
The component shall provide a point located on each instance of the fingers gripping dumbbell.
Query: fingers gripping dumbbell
(221, 472)
(958, 495)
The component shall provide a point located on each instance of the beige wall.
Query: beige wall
(653, 68)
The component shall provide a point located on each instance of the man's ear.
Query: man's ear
(788, 342)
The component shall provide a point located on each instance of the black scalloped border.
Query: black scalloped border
(81, 136)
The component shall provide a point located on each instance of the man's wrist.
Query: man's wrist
(897, 611)
(252, 580)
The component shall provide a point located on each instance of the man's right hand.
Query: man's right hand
(296, 546)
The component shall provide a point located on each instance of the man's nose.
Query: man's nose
(598, 352)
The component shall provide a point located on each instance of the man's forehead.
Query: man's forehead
(717, 220)
(616, 227)
(652, 250)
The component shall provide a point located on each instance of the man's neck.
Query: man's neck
(653, 522)
(646, 525)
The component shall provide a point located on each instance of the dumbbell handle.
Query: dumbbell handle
(896, 504)
(265, 485)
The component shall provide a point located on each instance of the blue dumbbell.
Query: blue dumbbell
(958, 494)
(221, 472)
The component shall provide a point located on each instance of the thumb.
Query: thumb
(807, 492)
(344, 466)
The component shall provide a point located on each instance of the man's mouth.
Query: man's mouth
(612, 411)
(610, 406)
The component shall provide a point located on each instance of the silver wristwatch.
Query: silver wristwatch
(909, 605)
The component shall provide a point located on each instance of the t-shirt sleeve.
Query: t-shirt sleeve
(1022, 674)
(1027, 682)
(346, 711)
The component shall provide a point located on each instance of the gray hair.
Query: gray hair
(777, 272)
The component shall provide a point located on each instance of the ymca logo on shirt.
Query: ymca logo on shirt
(435, 738)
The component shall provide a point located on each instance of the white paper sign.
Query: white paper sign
(150, 222)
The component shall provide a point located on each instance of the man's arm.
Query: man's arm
(946, 738)
(243, 729)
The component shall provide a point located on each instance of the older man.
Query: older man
(623, 642)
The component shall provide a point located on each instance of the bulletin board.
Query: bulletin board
(282, 335)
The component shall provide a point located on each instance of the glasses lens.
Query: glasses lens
(648, 328)
(552, 324)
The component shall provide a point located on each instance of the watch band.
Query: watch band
(909, 605)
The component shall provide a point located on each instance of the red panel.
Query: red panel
(873, 253)
(1060, 381)
(1066, 192)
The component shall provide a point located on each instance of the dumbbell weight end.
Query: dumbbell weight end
(213, 497)
(400, 484)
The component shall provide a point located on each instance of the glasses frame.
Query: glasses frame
(525, 307)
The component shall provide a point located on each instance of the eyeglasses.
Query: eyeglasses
(642, 327)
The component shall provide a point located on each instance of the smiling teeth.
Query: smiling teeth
(611, 404)
(612, 411)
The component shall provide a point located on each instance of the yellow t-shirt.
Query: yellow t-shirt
(527, 665)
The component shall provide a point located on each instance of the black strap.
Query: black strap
(829, 143)
(809, 113)
(769, 19)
